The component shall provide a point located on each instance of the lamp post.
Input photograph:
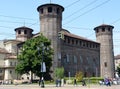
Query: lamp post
(43, 67)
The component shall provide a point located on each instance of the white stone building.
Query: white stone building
(9, 52)
(117, 61)
(8, 59)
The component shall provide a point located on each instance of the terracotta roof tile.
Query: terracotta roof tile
(11, 57)
(67, 33)
(2, 50)
(117, 57)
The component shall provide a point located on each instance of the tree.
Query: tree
(79, 76)
(118, 69)
(59, 72)
(30, 58)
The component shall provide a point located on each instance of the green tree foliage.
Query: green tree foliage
(59, 72)
(30, 58)
(79, 76)
(118, 69)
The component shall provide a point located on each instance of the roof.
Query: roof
(103, 25)
(50, 4)
(117, 57)
(67, 33)
(2, 50)
(11, 57)
(24, 27)
(12, 40)
(37, 34)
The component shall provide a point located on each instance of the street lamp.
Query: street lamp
(43, 67)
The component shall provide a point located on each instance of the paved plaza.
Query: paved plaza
(63, 87)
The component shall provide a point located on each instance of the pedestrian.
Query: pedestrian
(109, 82)
(42, 82)
(83, 83)
(62, 82)
(56, 82)
(59, 82)
(39, 82)
(75, 82)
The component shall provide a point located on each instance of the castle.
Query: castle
(73, 52)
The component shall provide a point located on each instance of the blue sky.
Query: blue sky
(79, 17)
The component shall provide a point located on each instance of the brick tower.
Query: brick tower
(50, 25)
(104, 36)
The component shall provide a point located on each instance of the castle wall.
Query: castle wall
(81, 56)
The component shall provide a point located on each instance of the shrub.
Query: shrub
(93, 79)
(79, 76)
(59, 72)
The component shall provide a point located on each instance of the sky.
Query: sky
(80, 17)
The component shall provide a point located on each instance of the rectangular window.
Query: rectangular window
(75, 59)
(103, 29)
(97, 30)
(10, 71)
(68, 40)
(25, 31)
(58, 10)
(76, 42)
(41, 10)
(72, 41)
(105, 64)
(0, 71)
(49, 9)
(10, 63)
(109, 29)
(15, 63)
(81, 60)
(68, 59)
(80, 43)
(19, 32)
(83, 43)
(87, 59)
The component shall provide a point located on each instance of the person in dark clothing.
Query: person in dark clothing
(107, 82)
(75, 82)
(59, 82)
(39, 82)
(56, 82)
(83, 83)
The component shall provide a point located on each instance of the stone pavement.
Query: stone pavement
(83, 87)
(63, 87)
